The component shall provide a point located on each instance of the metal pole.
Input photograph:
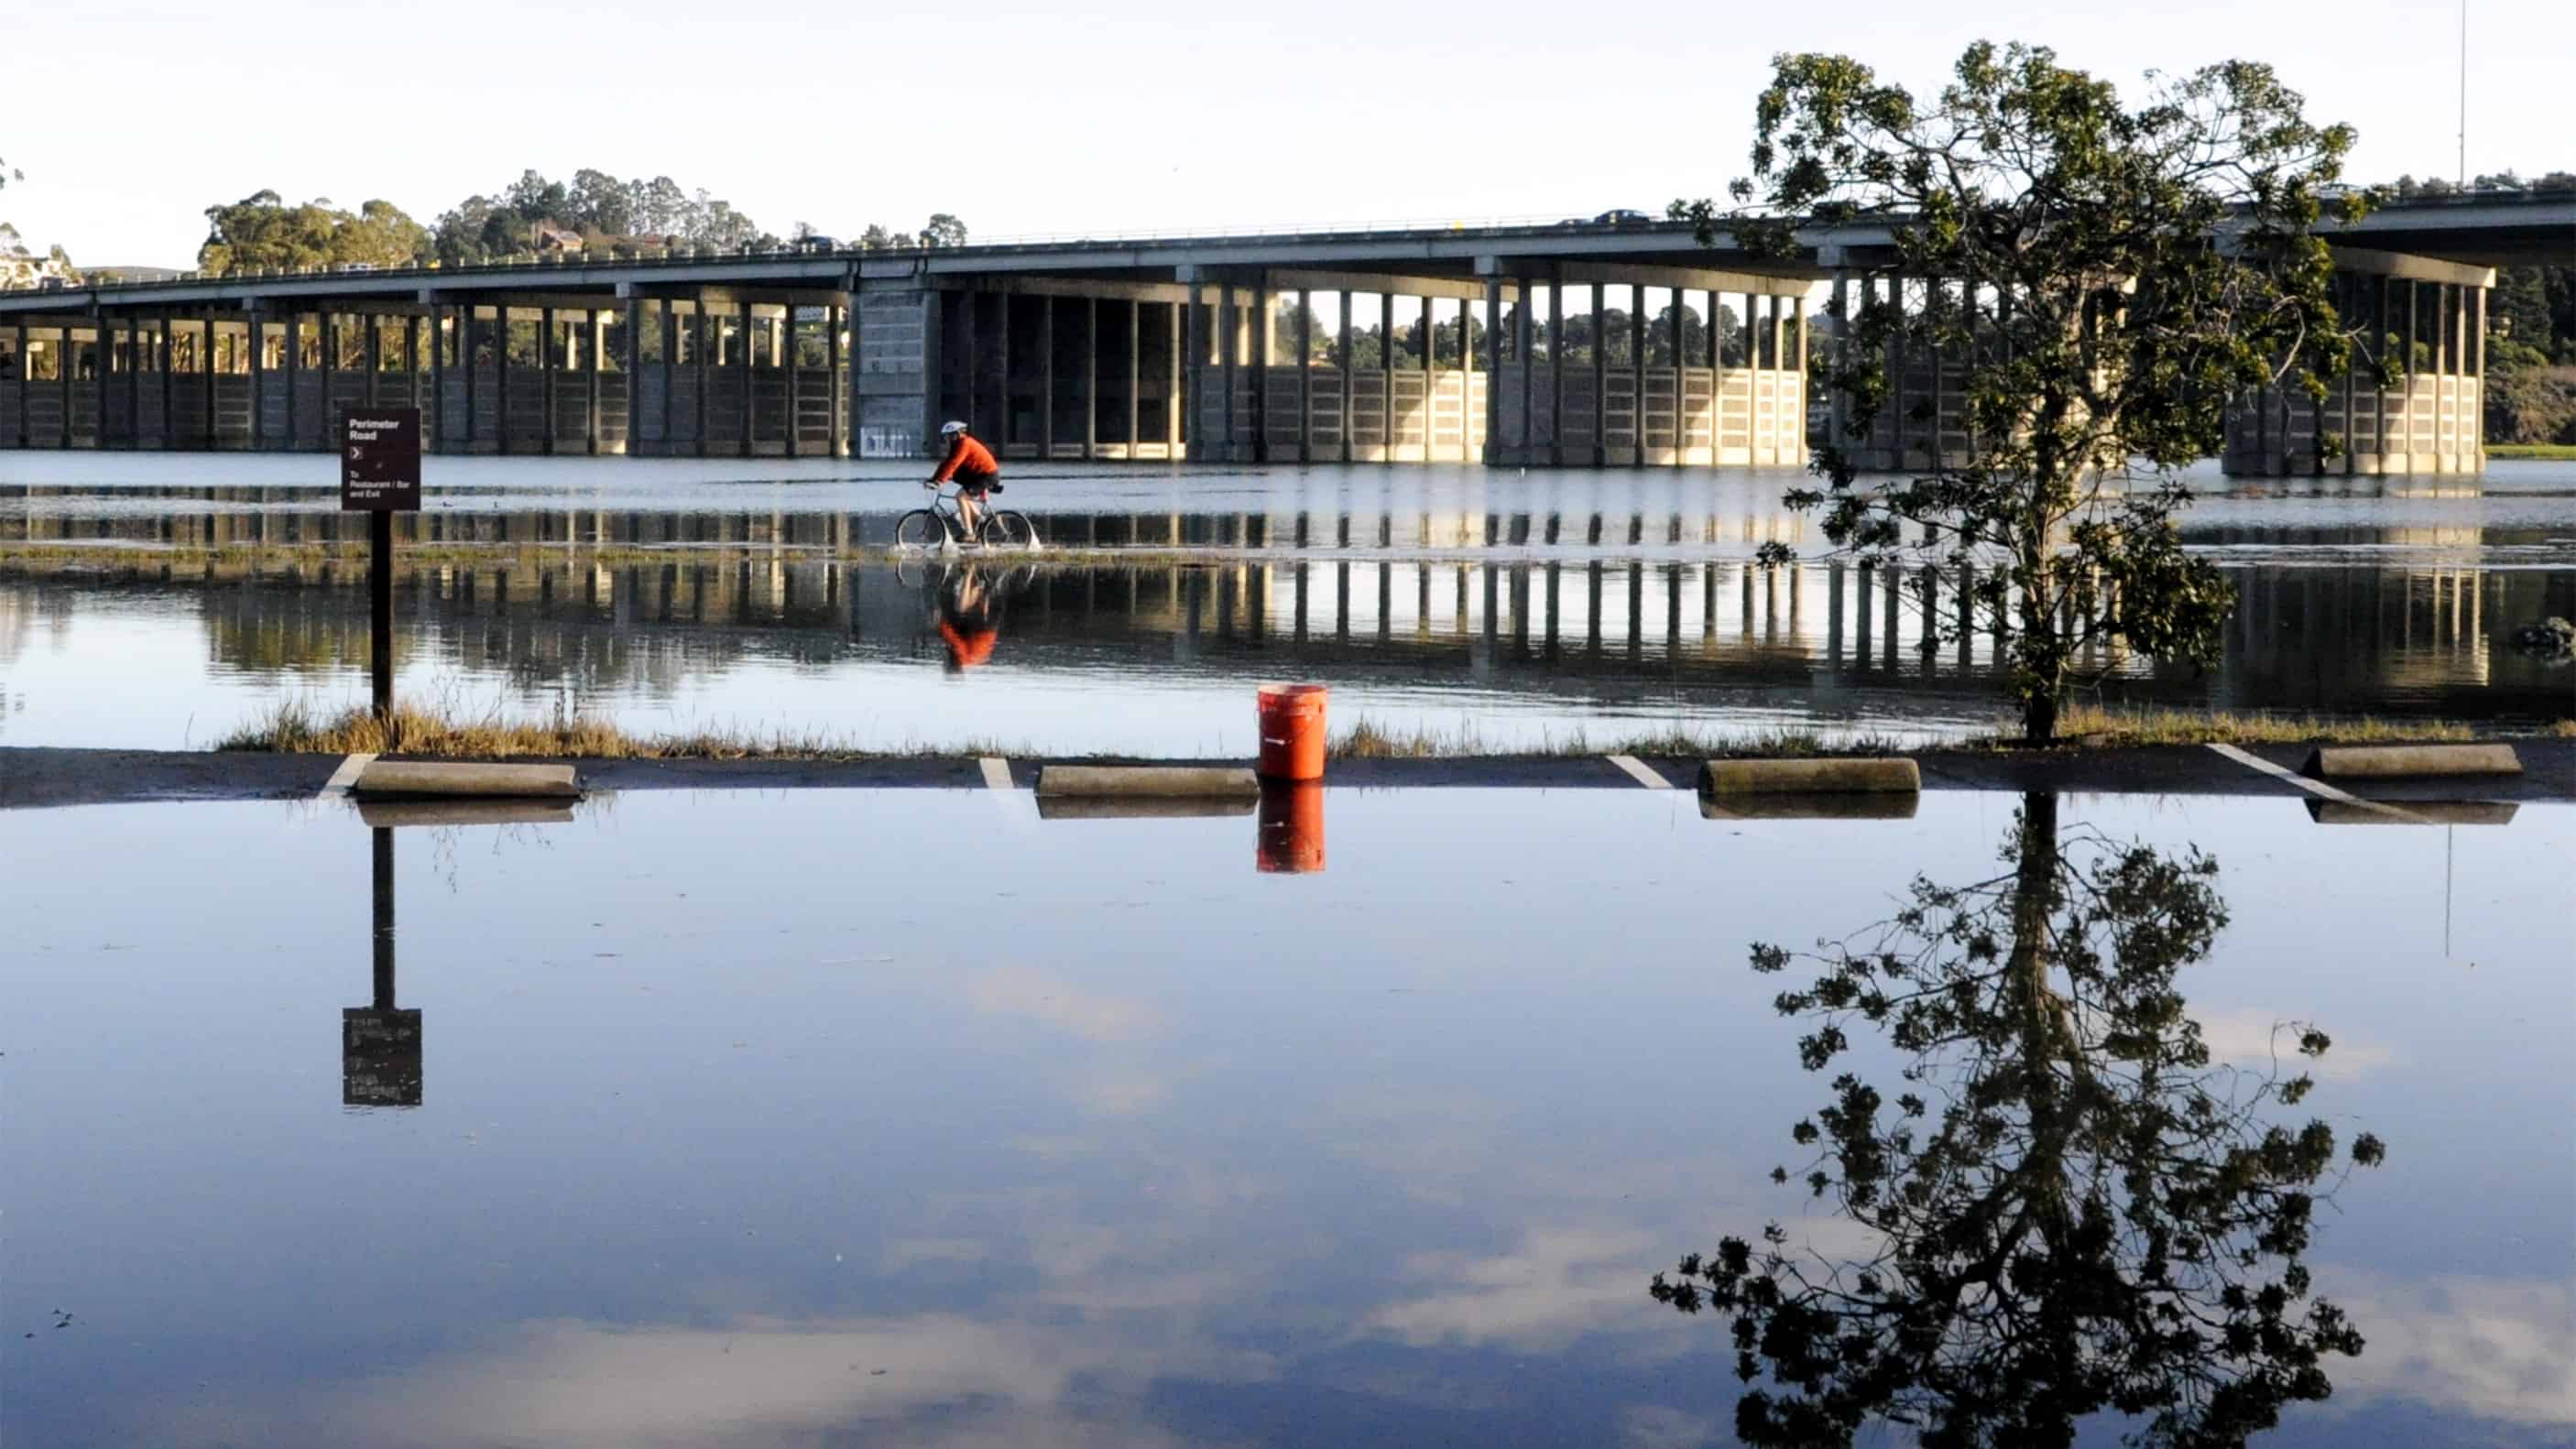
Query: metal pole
(380, 602)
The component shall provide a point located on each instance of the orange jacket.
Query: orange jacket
(969, 457)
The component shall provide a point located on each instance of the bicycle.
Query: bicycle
(941, 525)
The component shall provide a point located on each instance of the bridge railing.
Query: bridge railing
(540, 263)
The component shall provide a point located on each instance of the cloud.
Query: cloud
(1652, 1426)
(1047, 997)
(2251, 1037)
(2498, 1348)
(945, 1380)
(1559, 1284)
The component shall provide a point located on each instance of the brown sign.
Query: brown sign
(379, 459)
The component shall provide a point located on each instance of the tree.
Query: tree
(2108, 278)
(2069, 1207)
(261, 233)
(602, 204)
(943, 230)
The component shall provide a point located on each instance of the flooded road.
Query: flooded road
(730, 1123)
(1512, 609)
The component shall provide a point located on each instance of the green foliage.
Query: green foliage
(261, 233)
(2070, 1208)
(595, 206)
(942, 230)
(2108, 277)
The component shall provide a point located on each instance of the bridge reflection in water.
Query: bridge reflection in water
(633, 610)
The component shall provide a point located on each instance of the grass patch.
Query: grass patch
(2552, 452)
(2090, 725)
(294, 727)
(1368, 740)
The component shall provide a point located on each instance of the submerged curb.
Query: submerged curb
(1197, 782)
(2403, 762)
(1809, 777)
(426, 780)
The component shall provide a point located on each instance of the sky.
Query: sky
(131, 117)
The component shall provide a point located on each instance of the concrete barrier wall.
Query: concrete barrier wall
(2431, 423)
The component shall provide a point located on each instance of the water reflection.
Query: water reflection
(380, 1043)
(2060, 1206)
(1526, 645)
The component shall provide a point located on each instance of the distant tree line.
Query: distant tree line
(593, 210)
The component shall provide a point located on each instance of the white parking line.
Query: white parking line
(347, 775)
(2314, 787)
(997, 772)
(1639, 773)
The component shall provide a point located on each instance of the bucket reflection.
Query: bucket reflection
(1291, 835)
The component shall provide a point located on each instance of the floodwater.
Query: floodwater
(844, 1117)
(1512, 608)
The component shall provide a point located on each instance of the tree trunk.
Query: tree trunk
(2039, 717)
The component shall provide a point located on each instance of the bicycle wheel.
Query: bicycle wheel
(1007, 528)
(920, 529)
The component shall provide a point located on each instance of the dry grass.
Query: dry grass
(2564, 729)
(294, 727)
(1368, 740)
(2090, 725)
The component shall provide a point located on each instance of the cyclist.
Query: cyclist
(971, 464)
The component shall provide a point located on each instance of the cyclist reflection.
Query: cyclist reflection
(969, 618)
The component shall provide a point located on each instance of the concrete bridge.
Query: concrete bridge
(1239, 348)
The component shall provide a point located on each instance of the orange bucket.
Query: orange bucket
(1292, 731)
(1291, 840)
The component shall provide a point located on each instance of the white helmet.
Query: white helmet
(946, 429)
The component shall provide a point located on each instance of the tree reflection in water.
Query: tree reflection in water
(2069, 1208)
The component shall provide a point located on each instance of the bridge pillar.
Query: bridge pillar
(2425, 320)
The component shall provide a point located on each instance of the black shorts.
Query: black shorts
(978, 484)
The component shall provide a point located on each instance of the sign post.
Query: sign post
(380, 476)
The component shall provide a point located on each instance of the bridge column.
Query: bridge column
(1090, 378)
(1386, 365)
(134, 353)
(1428, 331)
(1135, 378)
(633, 373)
(750, 400)
(1492, 452)
(1342, 365)
(1305, 375)
(2380, 425)
(258, 378)
(1228, 328)
(1600, 377)
(1195, 324)
(1555, 373)
(205, 369)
